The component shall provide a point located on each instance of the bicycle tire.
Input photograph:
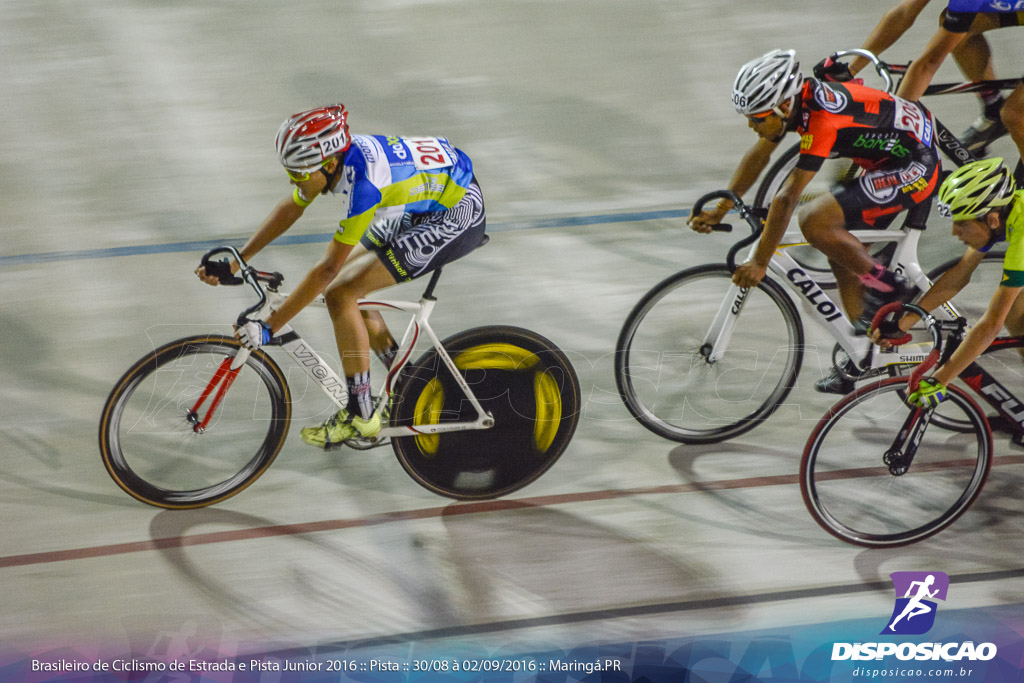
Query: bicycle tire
(521, 378)
(151, 449)
(851, 493)
(663, 329)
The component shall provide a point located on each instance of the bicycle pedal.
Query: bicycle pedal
(361, 443)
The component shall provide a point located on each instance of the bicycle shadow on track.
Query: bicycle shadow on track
(285, 555)
(475, 568)
(776, 468)
(984, 537)
(534, 561)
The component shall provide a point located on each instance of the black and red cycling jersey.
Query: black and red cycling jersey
(869, 126)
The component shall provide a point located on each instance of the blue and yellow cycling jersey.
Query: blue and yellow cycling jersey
(385, 176)
(1013, 262)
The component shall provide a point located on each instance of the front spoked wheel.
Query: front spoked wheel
(168, 446)
(521, 379)
(699, 360)
(878, 474)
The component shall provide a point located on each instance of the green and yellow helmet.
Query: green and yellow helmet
(974, 189)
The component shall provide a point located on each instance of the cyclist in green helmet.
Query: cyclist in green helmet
(986, 209)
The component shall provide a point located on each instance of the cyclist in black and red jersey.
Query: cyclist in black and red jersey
(892, 139)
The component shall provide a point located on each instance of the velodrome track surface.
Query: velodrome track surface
(138, 136)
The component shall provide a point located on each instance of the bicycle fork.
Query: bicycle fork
(904, 447)
(221, 381)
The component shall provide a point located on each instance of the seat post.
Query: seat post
(917, 216)
(429, 292)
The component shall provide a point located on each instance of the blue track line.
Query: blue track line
(206, 245)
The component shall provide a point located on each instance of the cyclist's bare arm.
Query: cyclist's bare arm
(282, 217)
(981, 335)
(312, 285)
(750, 167)
(922, 70)
(893, 25)
(779, 215)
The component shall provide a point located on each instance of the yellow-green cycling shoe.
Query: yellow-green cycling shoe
(341, 427)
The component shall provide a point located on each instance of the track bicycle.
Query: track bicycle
(691, 370)
(479, 415)
(877, 473)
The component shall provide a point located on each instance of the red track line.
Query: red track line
(383, 518)
(402, 516)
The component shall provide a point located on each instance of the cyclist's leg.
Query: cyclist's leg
(362, 273)
(1013, 118)
(823, 222)
(850, 289)
(974, 57)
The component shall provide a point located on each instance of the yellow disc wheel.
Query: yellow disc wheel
(520, 379)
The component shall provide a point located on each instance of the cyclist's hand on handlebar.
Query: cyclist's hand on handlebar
(707, 219)
(218, 272)
(253, 334)
(749, 274)
(889, 330)
(829, 69)
(930, 392)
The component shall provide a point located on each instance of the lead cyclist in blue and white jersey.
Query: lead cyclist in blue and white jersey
(412, 204)
(957, 21)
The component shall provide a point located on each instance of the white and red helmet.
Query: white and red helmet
(307, 139)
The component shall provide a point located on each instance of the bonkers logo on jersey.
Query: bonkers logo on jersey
(828, 99)
(916, 592)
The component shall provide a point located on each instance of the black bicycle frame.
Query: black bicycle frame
(1009, 407)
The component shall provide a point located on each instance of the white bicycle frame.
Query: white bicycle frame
(809, 288)
(335, 388)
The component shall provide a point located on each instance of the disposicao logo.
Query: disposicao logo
(915, 608)
(914, 614)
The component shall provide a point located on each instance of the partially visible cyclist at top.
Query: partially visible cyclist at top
(959, 19)
(410, 205)
(986, 209)
(972, 54)
(892, 139)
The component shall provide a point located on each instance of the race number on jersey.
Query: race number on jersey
(428, 153)
(910, 118)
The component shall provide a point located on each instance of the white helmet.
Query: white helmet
(766, 82)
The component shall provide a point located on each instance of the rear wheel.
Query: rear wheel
(523, 380)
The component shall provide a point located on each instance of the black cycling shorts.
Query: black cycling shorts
(415, 244)
(886, 191)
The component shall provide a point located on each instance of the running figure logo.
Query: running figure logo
(914, 612)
